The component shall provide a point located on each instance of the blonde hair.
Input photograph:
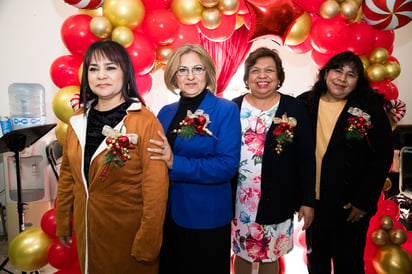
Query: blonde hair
(174, 63)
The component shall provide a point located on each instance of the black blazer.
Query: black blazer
(352, 171)
(288, 179)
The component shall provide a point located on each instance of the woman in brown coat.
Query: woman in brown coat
(115, 193)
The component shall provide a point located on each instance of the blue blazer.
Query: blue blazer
(200, 191)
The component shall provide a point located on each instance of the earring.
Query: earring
(278, 86)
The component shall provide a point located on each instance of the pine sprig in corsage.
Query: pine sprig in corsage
(194, 123)
(118, 146)
(358, 125)
(283, 132)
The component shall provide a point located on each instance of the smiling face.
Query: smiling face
(340, 82)
(191, 84)
(263, 79)
(106, 80)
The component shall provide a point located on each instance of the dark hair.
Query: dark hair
(117, 54)
(362, 89)
(264, 52)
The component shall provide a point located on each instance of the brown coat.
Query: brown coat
(123, 215)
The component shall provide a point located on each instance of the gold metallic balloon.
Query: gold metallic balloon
(92, 12)
(60, 131)
(209, 3)
(386, 222)
(211, 18)
(366, 63)
(300, 30)
(329, 9)
(378, 56)
(240, 21)
(392, 259)
(393, 69)
(358, 2)
(28, 250)
(188, 12)
(80, 72)
(101, 27)
(61, 102)
(123, 35)
(128, 13)
(379, 236)
(349, 9)
(228, 7)
(158, 66)
(376, 72)
(163, 53)
(397, 236)
(387, 185)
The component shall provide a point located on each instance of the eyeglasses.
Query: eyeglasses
(184, 71)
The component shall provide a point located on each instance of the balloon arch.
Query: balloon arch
(151, 29)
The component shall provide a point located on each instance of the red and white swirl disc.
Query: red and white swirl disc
(75, 101)
(397, 109)
(387, 14)
(85, 4)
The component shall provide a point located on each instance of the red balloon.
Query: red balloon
(301, 48)
(186, 34)
(76, 34)
(142, 52)
(161, 25)
(384, 39)
(74, 269)
(320, 59)
(408, 245)
(329, 36)
(388, 208)
(156, 4)
(48, 223)
(242, 7)
(144, 84)
(391, 58)
(64, 71)
(360, 36)
(223, 31)
(61, 257)
(311, 6)
(387, 88)
(271, 18)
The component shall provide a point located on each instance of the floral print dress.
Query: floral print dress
(250, 240)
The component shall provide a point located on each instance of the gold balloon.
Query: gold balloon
(379, 236)
(240, 21)
(376, 72)
(379, 56)
(392, 259)
(188, 12)
(393, 69)
(386, 222)
(211, 18)
(128, 13)
(80, 74)
(123, 35)
(329, 9)
(61, 102)
(366, 63)
(397, 236)
(28, 250)
(349, 9)
(163, 53)
(228, 7)
(91, 12)
(60, 131)
(158, 66)
(209, 3)
(101, 27)
(358, 2)
(387, 185)
(300, 30)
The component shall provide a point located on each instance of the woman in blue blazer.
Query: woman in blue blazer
(201, 149)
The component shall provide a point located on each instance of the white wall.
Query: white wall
(31, 42)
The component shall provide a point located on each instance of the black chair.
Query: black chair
(54, 152)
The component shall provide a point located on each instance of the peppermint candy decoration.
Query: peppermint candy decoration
(397, 109)
(85, 4)
(387, 15)
(75, 101)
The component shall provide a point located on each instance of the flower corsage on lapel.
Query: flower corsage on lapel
(194, 123)
(283, 132)
(358, 125)
(118, 145)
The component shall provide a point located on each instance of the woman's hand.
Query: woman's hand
(66, 241)
(307, 213)
(356, 214)
(163, 150)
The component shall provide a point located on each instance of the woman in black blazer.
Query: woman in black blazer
(354, 153)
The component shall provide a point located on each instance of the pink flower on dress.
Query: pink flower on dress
(249, 198)
(258, 125)
(280, 245)
(257, 245)
(255, 142)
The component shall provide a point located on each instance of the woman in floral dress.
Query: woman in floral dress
(276, 176)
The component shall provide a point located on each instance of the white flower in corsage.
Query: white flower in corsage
(283, 132)
(118, 145)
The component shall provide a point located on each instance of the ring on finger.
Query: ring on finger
(166, 147)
